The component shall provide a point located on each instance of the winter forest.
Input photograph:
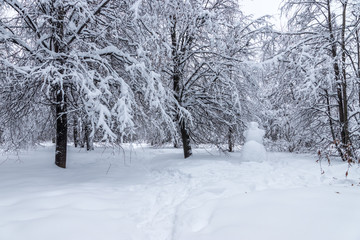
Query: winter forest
(179, 119)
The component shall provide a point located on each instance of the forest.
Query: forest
(179, 72)
(179, 120)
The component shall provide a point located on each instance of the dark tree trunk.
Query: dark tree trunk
(185, 139)
(176, 78)
(331, 124)
(340, 77)
(76, 133)
(231, 140)
(61, 131)
(345, 129)
(88, 139)
(1, 133)
(357, 36)
(180, 46)
(82, 136)
(60, 91)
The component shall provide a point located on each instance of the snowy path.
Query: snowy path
(160, 196)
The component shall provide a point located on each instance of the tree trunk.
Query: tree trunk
(345, 129)
(88, 138)
(60, 91)
(1, 133)
(331, 124)
(76, 133)
(176, 78)
(358, 61)
(340, 76)
(185, 139)
(231, 140)
(61, 130)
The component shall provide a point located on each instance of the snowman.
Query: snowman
(253, 149)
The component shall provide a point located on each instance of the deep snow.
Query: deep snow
(154, 194)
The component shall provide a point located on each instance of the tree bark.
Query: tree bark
(231, 140)
(340, 76)
(75, 132)
(358, 61)
(185, 139)
(176, 78)
(60, 91)
(345, 129)
(61, 130)
(331, 124)
(357, 65)
(88, 139)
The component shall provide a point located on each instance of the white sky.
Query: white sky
(260, 8)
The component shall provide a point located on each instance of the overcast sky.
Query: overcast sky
(260, 8)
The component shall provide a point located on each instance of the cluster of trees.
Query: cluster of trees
(106, 70)
(317, 78)
(182, 72)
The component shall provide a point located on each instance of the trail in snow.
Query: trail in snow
(198, 188)
(160, 196)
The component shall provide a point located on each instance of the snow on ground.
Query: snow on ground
(154, 194)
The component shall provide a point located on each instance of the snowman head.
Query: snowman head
(253, 125)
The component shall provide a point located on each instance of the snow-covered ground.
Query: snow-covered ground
(154, 194)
